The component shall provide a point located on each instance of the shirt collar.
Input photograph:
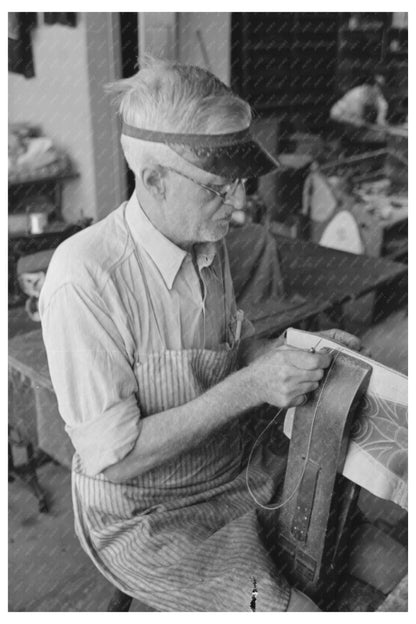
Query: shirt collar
(167, 256)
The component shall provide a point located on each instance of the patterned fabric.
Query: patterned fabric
(382, 428)
(377, 453)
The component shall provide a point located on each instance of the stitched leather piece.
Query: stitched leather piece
(304, 506)
(307, 525)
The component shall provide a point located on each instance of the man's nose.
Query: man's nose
(238, 198)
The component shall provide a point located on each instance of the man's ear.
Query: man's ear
(154, 182)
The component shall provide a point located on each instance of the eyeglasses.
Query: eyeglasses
(230, 188)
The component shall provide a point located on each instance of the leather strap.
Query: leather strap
(307, 525)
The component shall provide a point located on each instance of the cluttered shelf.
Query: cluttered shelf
(37, 190)
(51, 173)
(37, 173)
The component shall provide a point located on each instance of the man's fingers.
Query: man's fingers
(302, 375)
(304, 397)
(304, 392)
(299, 400)
(308, 386)
(310, 361)
(344, 338)
(350, 341)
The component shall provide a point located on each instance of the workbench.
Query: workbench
(314, 279)
(34, 421)
(398, 599)
(332, 276)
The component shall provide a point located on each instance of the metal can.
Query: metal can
(38, 222)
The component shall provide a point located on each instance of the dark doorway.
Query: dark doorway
(285, 64)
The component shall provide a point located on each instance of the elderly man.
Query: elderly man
(153, 364)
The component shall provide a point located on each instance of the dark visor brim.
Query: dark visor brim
(242, 160)
(232, 155)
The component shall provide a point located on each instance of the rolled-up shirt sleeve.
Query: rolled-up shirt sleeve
(92, 375)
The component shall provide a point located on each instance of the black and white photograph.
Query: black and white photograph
(208, 311)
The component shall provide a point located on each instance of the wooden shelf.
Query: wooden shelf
(37, 178)
(22, 189)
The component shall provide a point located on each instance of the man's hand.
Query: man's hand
(283, 375)
(252, 348)
(345, 339)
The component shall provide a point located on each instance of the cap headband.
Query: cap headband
(192, 140)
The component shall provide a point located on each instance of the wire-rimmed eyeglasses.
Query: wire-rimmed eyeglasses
(224, 195)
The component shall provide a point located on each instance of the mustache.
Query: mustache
(226, 215)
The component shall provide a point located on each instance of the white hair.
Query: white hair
(170, 97)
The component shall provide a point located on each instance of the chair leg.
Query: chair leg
(27, 474)
(119, 601)
(11, 464)
(33, 479)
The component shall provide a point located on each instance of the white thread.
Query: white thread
(285, 502)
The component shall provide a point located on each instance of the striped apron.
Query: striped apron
(184, 536)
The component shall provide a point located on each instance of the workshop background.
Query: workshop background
(338, 200)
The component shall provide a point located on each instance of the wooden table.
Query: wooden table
(398, 598)
(34, 420)
(332, 276)
(28, 363)
(315, 279)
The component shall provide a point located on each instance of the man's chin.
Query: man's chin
(218, 231)
(214, 232)
(221, 232)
